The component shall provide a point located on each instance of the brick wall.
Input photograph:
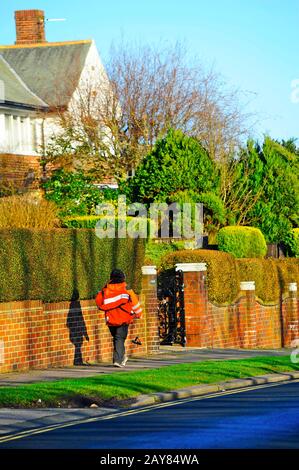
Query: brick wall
(246, 323)
(20, 170)
(38, 335)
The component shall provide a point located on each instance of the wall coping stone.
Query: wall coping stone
(149, 270)
(247, 285)
(191, 267)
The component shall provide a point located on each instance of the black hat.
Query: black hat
(117, 276)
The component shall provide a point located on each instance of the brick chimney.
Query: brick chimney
(30, 26)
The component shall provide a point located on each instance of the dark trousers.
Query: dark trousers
(119, 334)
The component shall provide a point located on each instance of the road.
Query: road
(264, 417)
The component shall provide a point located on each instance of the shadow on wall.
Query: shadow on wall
(77, 327)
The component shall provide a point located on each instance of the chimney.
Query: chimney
(30, 26)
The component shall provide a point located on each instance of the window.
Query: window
(21, 134)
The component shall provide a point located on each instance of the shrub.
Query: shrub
(29, 211)
(223, 278)
(73, 192)
(242, 242)
(155, 252)
(49, 265)
(265, 274)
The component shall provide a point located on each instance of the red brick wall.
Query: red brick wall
(149, 301)
(30, 26)
(38, 335)
(15, 168)
(247, 323)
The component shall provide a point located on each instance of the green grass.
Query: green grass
(105, 389)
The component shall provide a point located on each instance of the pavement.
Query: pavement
(168, 355)
(16, 421)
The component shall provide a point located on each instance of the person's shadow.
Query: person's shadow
(77, 327)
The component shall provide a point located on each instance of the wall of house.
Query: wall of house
(22, 171)
(36, 335)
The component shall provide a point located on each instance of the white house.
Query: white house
(37, 79)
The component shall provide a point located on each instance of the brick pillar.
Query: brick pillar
(150, 305)
(291, 316)
(197, 319)
(247, 319)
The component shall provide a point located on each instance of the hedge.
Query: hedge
(90, 222)
(242, 242)
(49, 265)
(223, 278)
(225, 272)
(264, 273)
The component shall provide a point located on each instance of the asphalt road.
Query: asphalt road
(262, 418)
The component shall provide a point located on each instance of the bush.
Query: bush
(265, 274)
(49, 265)
(223, 278)
(242, 242)
(155, 252)
(29, 211)
(73, 192)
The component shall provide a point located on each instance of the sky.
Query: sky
(253, 44)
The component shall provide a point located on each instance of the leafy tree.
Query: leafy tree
(176, 163)
(269, 176)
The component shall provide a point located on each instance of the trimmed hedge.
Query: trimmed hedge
(49, 265)
(225, 273)
(90, 222)
(264, 273)
(288, 271)
(223, 278)
(242, 242)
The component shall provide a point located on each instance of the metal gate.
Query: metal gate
(171, 308)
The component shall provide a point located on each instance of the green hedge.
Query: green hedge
(49, 265)
(242, 242)
(264, 273)
(223, 278)
(225, 273)
(90, 222)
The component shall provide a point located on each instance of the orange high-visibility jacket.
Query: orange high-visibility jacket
(119, 304)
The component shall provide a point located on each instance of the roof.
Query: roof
(51, 70)
(15, 90)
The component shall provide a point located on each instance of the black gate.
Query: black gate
(171, 308)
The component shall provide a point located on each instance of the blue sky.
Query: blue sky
(252, 43)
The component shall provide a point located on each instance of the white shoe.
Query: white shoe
(116, 364)
(124, 361)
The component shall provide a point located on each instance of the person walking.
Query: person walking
(121, 306)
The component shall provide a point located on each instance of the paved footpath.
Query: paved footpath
(168, 356)
(19, 420)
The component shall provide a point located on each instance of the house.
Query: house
(38, 79)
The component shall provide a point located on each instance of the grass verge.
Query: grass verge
(122, 387)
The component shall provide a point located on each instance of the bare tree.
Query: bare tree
(149, 91)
